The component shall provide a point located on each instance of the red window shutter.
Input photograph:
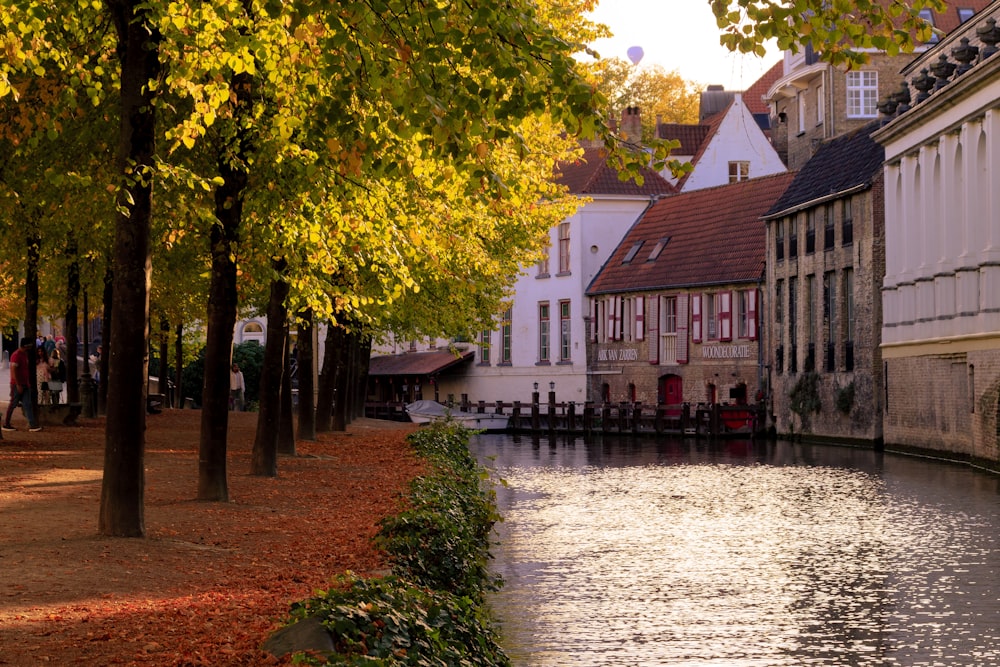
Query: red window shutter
(725, 315)
(696, 318)
(654, 330)
(640, 325)
(682, 328)
(752, 314)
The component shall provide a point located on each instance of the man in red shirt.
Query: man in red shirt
(20, 386)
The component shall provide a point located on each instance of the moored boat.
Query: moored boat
(423, 412)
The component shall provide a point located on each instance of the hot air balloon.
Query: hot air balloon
(635, 54)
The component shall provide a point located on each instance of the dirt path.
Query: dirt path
(210, 580)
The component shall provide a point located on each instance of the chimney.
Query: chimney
(631, 125)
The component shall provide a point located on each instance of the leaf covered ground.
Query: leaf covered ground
(210, 581)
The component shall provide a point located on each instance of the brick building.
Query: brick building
(813, 101)
(825, 263)
(674, 310)
(941, 330)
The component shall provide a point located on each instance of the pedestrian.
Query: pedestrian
(57, 377)
(236, 388)
(20, 387)
(42, 376)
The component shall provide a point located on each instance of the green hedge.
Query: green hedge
(431, 609)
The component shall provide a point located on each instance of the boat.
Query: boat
(424, 412)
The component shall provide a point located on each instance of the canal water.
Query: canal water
(677, 552)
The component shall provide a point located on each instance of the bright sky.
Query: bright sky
(679, 35)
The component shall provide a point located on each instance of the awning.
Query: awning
(417, 363)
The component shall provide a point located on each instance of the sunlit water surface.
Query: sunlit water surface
(677, 553)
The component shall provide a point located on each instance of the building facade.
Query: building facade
(674, 312)
(825, 252)
(941, 330)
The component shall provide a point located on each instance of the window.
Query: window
(632, 252)
(810, 322)
(793, 355)
(928, 16)
(779, 240)
(828, 228)
(779, 306)
(847, 224)
(565, 349)
(829, 318)
(669, 315)
(543, 333)
(743, 313)
(820, 104)
(793, 238)
(849, 321)
(505, 337)
(862, 94)
(712, 318)
(543, 265)
(739, 171)
(811, 230)
(965, 13)
(564, 247)
(658, 248)
(485, 338)
(800, 100)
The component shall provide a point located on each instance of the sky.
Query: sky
(679, 35)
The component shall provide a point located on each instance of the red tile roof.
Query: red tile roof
(716, 237)
(417, 363)
(591, 175)
(753, 97)
(690, 136)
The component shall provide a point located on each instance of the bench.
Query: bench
(60, 413)
(155, 403)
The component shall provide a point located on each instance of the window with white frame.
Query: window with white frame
(543, 265)
(739, 170)
(668, 315)
(743, 314)
(820, 104)
(543, 332)
(505, 337)
(862, 94)
(564, 247)
(485, 338)
(565, 342)
(800, 101)
(711, 317)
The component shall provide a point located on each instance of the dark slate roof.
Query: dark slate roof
(716, 237)
(842, 164)
(417, 363)
(591, 175)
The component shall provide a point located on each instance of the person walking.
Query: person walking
(42, 374)
(20, 387)
(236, 388)
(57, 376)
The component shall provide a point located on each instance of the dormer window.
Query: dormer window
(658, 248)
(928, 16)
(964, 14)
(633, 251)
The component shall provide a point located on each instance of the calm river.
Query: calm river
(680, 553)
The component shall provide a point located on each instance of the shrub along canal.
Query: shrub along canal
(674, 552)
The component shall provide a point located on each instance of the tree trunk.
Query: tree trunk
(342, 383)
(123, 487)
(72, 331)
(103, 366)
(34, 244)
(163, 384)
(286, 421)
(179, 366)
(361, 374)
(327, 378)
(307, 363)
(264, 460)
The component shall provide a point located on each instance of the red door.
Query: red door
(671, 390)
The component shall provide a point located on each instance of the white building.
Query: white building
(941, 293)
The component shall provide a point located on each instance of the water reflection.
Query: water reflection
(678, 553)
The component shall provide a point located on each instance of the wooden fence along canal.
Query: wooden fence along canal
(713, 420)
